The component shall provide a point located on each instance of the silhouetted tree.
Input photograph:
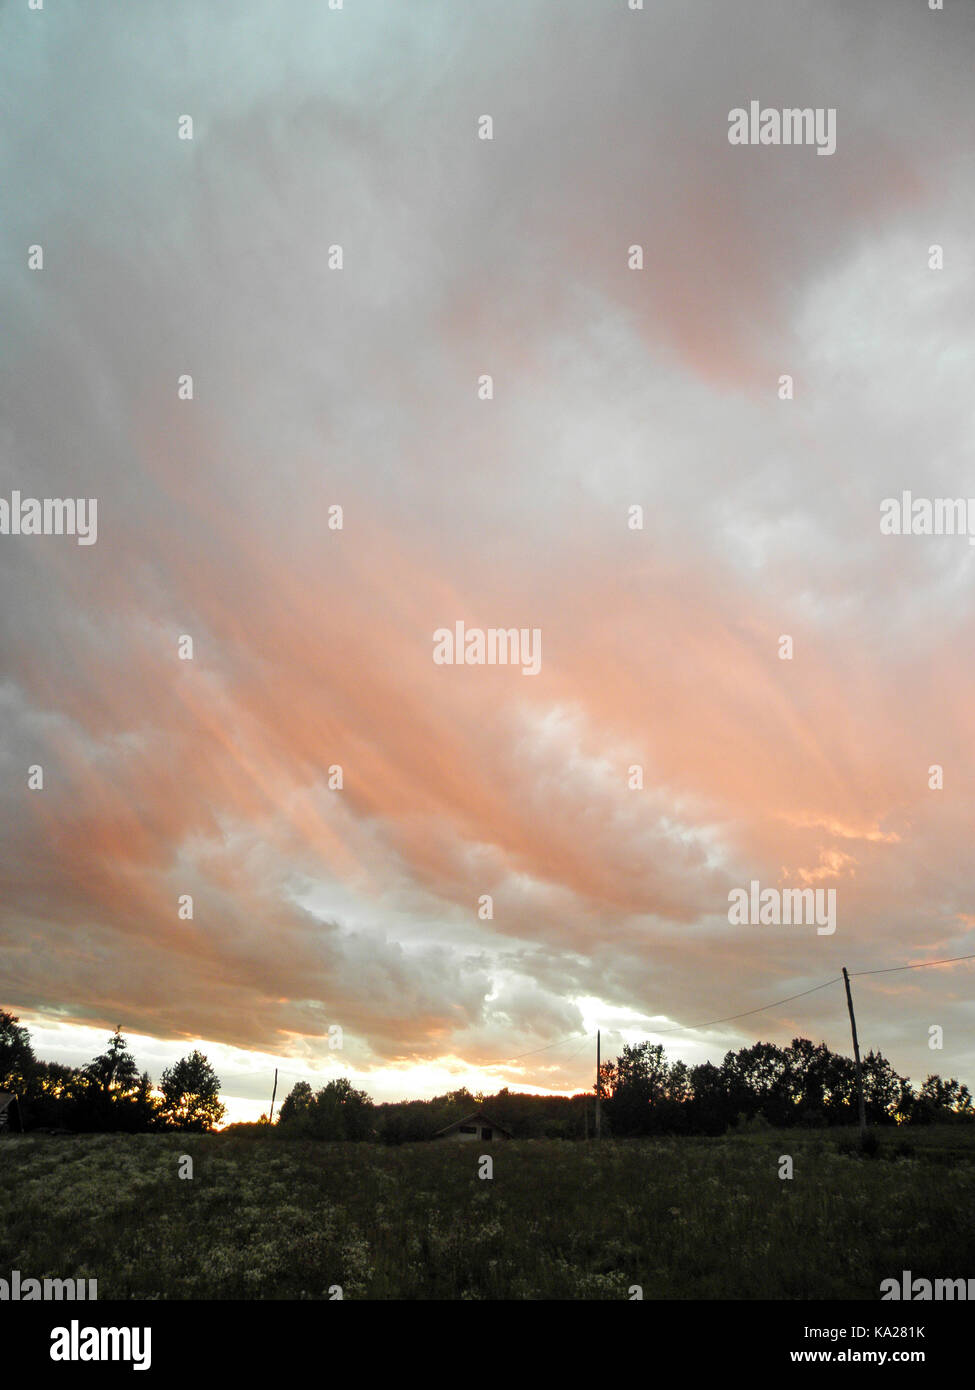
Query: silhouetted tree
(295, 1103)
(114, 1073)
(17, 1061)
(191, 1094)
(110, 1082)
(940, 1101)
(883, 1090)
(637, 1084)
(337, 1111)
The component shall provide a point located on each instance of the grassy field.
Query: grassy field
(683, 1218)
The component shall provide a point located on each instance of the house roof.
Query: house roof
(466, 1120)
(6, 1097)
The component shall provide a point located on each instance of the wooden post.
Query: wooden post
(270, 1117)
(856, 1055)
(599, 1083)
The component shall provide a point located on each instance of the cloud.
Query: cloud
(312, 646)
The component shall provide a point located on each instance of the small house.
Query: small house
(476, 1126)
(10, 1119)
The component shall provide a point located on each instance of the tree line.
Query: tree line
(109, 1093)
(802, 1084)
(642, 1093)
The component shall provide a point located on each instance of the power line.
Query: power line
(681, 1027)
(922, 965)
(571, 1038)
(889, 970)
(585, 1043)
(730, 1018)
(690, 1027)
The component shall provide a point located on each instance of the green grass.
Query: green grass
(683, 1218)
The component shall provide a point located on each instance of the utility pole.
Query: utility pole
(270, 1117)
(599, 1083)
(856, 1054)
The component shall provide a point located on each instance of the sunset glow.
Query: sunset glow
(213, 778)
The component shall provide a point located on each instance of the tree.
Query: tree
(114, 1072)
(341, 1112)
(110, 1083)
(941, 1100)
(841, 1089)
(882, 1089)
(59, 1096)
(191, 1095)
(17, 1060)
(710, 1108)
(295, 1103)
(444, 1110)
(143, 1106)
(637, 1083)
(807, 1064)
(679, 1088)
(337, 1111)
(759, 1078)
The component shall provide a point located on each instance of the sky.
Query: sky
(315, 387)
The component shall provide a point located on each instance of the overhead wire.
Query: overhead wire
(748, 1013)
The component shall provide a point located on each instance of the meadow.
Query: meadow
(688, 1218)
